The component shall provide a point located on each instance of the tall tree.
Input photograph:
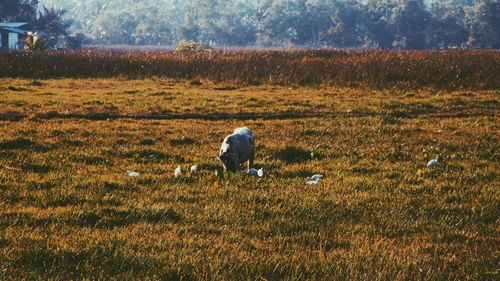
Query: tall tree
(380, 34)
(316, 22)
(349, 27)
(235, 25)
(283, 22)
(189, 29)
(115, 28)
(447, 27)
(52, 22)
(409, 22)
(485, 31)
(386, 24)
(18, 10)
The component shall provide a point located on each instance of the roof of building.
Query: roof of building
(13, 30)
(12, 24)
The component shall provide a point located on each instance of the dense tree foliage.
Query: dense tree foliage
(18, 10)
(386, 24)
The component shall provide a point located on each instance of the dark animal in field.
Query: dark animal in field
(237, 148)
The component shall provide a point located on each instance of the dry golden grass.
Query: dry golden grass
(68, 210)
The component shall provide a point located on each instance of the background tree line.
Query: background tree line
(386, 24)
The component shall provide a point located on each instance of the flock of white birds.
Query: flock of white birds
(315, 179)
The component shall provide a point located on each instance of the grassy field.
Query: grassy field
(68, 209)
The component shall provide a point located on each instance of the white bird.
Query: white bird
(194, 169)
(255, 172)
(260, 173)
(178, 171)
(317, 177)
(132, 174)
(314, 182)
(433, 162)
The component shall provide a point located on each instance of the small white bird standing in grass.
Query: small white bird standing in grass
(255, 172)
(194, 169)
(433, 162)
(178, 171)
(317, 177)
(260, 173)
(132, 174)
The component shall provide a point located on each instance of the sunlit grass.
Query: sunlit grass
(68, 210)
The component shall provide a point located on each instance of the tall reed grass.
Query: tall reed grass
(374, 69)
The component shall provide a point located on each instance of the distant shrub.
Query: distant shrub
(192, 47)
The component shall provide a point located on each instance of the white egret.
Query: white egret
(260, 173)
(132, 174)
(194, 169)
(433, 162)
(317, 177)
(255, 172)
(178, 171)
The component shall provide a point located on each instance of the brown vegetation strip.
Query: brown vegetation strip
(375, 69)
(239, 116)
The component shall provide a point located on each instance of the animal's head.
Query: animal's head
(229, 161)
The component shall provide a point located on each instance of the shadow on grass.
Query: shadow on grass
(109, 218)
(18, 143)
(182, 141)
(101, 218)
(106, 260)
(292, 154)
